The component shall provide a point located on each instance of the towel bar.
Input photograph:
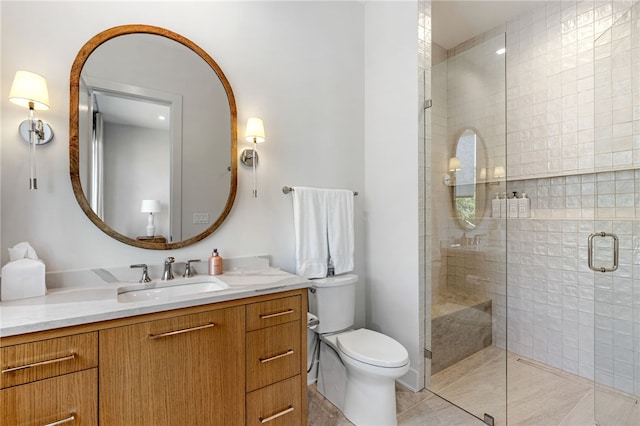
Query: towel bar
(288, 189)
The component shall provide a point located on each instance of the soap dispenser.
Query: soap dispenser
(512, 206)
(503, 205)
(215, 263)
(495, 206)
(524, 206)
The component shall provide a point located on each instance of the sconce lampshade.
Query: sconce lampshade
(454, 164)
(150, 206)
(255, 130)
(483, 173)
(498, 172)
(29, 87)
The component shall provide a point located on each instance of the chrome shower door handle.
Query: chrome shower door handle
(615, 252)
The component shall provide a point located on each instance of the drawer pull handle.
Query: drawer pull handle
(273, 358)
(184, 330)
(275, 416)
(71, 418)
(276, 314)
(38, 364)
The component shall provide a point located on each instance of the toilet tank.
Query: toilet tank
(333, 301)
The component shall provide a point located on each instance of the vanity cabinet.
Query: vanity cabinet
(51, 381)
(274, 362)
(186, 370)
(230, 363)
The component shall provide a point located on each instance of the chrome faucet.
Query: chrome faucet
(189, 270)
(145, 272)
(168, 273)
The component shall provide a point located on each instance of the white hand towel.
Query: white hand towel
(340, 229)
(310, 222)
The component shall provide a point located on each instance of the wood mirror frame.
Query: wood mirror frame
(74, 152)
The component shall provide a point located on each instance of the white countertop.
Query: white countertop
(63, 307)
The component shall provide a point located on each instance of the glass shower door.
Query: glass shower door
(613, 249)
(467, 344)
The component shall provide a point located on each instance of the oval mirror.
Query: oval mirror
(152, 137)
(468, 191)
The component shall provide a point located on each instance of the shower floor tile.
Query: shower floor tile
(537, 394)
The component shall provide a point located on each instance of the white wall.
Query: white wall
(137, 167)
(298, 65)
(391, 176)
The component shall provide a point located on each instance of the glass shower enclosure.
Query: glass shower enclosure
(557, 291)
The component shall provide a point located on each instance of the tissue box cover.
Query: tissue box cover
(23, 278)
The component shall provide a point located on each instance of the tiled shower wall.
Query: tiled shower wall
(568, 116)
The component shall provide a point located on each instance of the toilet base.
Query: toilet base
(332, 376)
(364, 399)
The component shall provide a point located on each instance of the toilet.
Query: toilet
(357, 367)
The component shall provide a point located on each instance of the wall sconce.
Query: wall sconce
(254, 133)
(498, 172)
(454, 166)
(482, 176)
(29, 90)
(151, 207)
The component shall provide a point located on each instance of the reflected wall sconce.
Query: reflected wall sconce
(482, 176)
(151, 207)
(499, 172)
(29, 90)
(454, 166)
(254, 133)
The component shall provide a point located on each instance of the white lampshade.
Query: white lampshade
(454, 164)
(498, 172)
(29, 87)
(254, 130)
(150, 206)
(483, 174)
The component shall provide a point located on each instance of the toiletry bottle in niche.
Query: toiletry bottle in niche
(495, 206)
(524, 206)
(503, 205)
(512, 206)
(215, 263)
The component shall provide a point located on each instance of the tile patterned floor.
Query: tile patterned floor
(538, 396)
(421, 408)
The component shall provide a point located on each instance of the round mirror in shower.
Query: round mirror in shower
(468, 192)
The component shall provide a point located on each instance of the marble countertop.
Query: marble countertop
(63, 307)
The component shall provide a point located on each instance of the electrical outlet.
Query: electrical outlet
(200, 218)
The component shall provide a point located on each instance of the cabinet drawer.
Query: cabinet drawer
(71, 397)
(273, 354)
(29, 362)
(276, 405)
(273, 312)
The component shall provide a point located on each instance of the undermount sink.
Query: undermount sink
(166, 290)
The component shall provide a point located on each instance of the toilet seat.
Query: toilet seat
(373, 348)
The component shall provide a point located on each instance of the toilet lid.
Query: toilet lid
(373, 348)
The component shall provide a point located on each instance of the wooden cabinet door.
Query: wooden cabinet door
(68, 399)
(187, 370)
